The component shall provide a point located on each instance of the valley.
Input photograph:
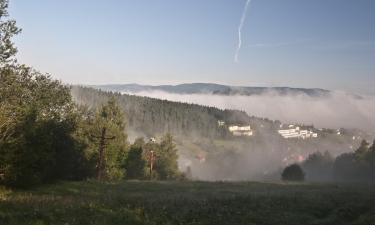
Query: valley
(207, 146)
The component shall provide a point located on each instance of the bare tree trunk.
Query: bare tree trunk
(101, 160)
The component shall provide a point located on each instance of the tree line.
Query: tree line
(357, 166)
(45, 136)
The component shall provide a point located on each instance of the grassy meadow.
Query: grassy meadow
(142, 202)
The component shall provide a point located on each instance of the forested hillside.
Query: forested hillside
(211, 150)
(153, 116)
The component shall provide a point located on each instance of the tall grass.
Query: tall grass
(217, 203)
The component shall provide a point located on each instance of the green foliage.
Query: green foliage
(345, 167)
(44, 136)
(37, 122)
(293, 172)
(372, 148)
(111, 116)
(166, 159)
(110, 119)
(358, 166)
(156, 117)
(135, 163)
(155, 203)
(362, 151)
(318, 167)
(8, 29)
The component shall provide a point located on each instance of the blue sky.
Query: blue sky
(300, 43)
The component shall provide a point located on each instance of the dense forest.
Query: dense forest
(153, 116)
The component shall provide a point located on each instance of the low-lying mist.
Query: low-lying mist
(250, 164)
(338, 110)
(264, 158)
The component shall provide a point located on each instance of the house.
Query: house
(220, 123)
(296, 132)
(289, 133)
(240, 130)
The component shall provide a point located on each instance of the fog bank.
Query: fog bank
(334, 111)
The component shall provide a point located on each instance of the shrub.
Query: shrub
(293, 173)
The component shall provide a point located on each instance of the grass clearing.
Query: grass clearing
(142, 202)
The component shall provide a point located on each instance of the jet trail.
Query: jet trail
(242, 22)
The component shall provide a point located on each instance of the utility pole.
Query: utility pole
(101, 160)
(151, 159)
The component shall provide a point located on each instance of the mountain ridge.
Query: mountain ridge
(212, 88)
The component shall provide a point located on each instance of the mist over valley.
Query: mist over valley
(318, 107)
(212, 152)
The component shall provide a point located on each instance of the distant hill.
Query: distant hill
(217, 89)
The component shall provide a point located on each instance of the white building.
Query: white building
(241, 130)
(220, 123)
(296, 132)
(290, 133)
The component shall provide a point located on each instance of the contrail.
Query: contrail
(243, 18)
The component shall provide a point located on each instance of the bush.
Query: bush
(135, 163)
(38, 121)
(293, 173)
(318, 167)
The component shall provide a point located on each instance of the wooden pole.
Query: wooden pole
(152, 160)
(101, 160)
(151, 163)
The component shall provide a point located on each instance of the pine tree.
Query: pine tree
(135, 163)
(166, 159)
(362, 150)
(109, 132)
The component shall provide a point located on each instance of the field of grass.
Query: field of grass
(189, 203)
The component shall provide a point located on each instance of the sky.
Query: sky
(299, 43)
